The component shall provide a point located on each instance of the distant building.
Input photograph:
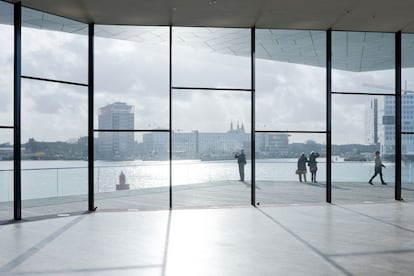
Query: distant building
(371, 123)
(116, 145)
(213, 145)
(407, 120)
(272, 144)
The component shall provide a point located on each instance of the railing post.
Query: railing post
(57, 182)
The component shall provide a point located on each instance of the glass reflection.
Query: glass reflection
(290, 80)
(363, 62)
(361, 126)
(205, 144)
(280, 177)
(211, 58)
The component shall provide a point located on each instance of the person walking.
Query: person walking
(241, 161)
(302, 167)
(313, 167)
(378, 168)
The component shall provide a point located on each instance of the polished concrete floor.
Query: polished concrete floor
(211, 195)
(322, 239)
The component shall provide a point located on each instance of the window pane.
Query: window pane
(6, 175)
(210, 128)
(363, 62)
(54, 139)
(211, 57)
(140, 182)
(290, 80)
(407, 117)
(277, 177)
(54, 47)
(6, 64)
(132, 68)
(407, 74)
(407, 165)
(362, 125)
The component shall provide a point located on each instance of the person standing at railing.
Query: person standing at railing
(302, 167)
(241, 161)
(313, 167)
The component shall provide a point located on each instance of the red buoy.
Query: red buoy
(122, 182)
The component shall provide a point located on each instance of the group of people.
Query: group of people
(311, 162)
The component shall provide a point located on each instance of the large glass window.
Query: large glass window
(361, 126)
(54, 47)
(132, 67)
(285, 173)
(6, 111)
(131, 117)
(54, 115)
(54, 148)
(137, 181)
(363, 62)
(205, 170)
(290, 80)
(407, 117)
(407, 167)
(6, 174)
(363, 119)
(6, 64)
(211, 125)
(211, 57)
(290, 96)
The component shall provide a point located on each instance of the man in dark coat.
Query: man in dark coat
(241, 160)
(378, 168)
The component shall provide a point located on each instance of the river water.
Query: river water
(42, 179)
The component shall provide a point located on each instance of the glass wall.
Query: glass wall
(131, 117)
(290, 115)
(6, 110)
(363, 119)
(54, 114)
(407, 117)
(209, 90)
(211, 117)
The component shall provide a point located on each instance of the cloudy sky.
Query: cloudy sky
(289, 96)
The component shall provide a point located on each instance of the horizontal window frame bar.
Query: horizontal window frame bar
(55, 81)
(211, 89)
(132, 130)
(407, 132)
(362, 93)
(6, 127)
(292, 131)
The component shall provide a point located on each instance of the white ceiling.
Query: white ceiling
(351, 15)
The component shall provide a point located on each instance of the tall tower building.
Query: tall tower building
(116, 145)
(371, 122)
